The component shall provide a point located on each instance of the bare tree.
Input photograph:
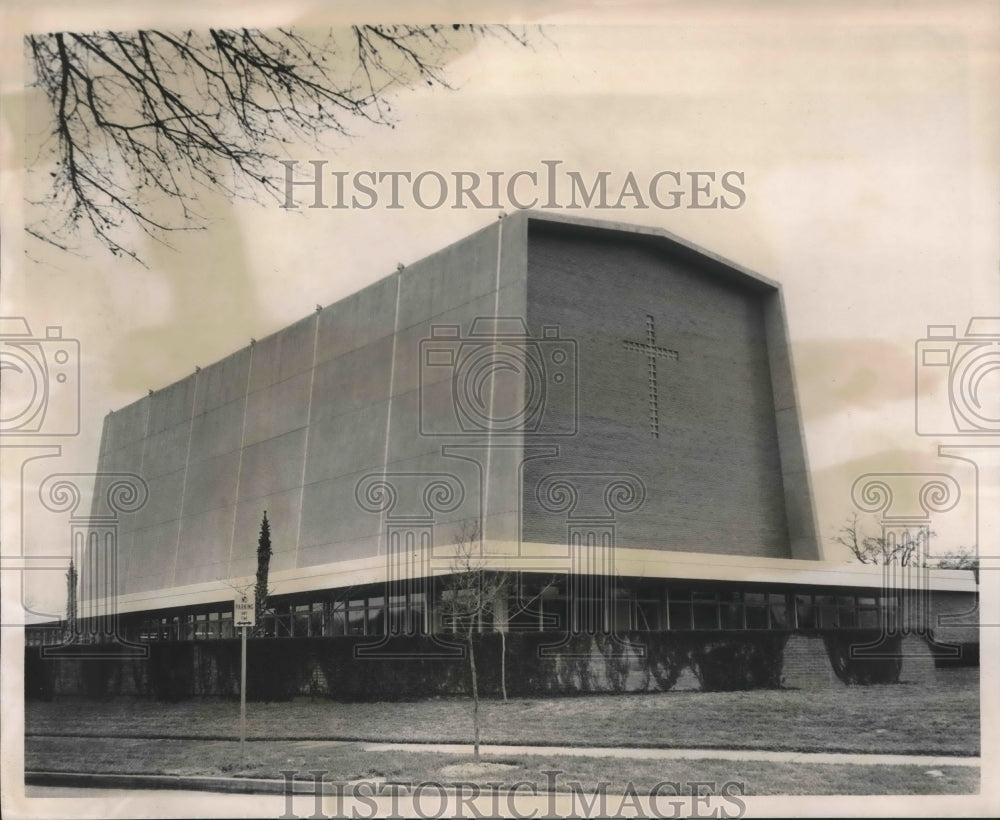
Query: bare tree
(961, 558)
(470, 593)
(908, 549)
(140, 121)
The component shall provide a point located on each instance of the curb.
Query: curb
(429, 744)
(199, 783)
(232, 785)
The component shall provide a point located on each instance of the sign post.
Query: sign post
(244, 615)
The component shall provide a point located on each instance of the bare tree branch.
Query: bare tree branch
(145, 121)
(906, 549)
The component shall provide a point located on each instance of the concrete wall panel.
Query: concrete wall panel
(272, 466)
(354, 380)
(283, 511)
(319, 555)
(223, 382)
(448, 279)
(275, 410)
(203, 546)
(264, 362)
(154, 556)
(165, 493)
(171, 405)
(211, 483)
(331, 516)
(218, 431)
(166, 451)
(358, 320)
(296, 346)
(346, 444)
(128, 424)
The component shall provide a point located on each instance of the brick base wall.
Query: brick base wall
(206, 668)
(807, 666)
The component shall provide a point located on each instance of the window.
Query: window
(846, 616)
(650, 615)
(731, 610)
(868, 612)
(317, 612)
(705, 610)
(338, 619)
(356, 617)
(300, 620)
(804, 612)
(758, 613)
(623, 615)
(779, 610)
(679, 609)
(375, 619)
(826, 612)
(522, 616)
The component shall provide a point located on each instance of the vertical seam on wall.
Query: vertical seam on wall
(239, 466)
(305, 442)
(107, 436)
(388, 408)
(187, 462)
(145, 437)
(493, 382)
(142, 473)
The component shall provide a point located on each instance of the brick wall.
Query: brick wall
(325, 666)
(713, 474)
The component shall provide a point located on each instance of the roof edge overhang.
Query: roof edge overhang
(653, 237)
(648, 564)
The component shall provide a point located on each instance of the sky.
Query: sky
(866, 137)
(867, 134)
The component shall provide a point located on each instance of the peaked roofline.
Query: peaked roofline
(652, 236)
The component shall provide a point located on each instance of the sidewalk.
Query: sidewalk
(683, 754)
(258, 785)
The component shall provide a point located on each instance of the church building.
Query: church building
(604, 413)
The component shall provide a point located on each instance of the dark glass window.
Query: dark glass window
(757, 610)
(356, 617)
(706, 610)
(679, 613)
(826, 612)
(376, 616)
(338, 618)
(731, 609)
(779, 610)
(846, 616)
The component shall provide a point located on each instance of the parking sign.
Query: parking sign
(244, 611)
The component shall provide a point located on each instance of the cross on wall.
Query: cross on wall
(652, 353)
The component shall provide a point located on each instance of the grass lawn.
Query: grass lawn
(347, 762)
(897, 719)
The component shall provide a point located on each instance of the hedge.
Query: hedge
(353, 668)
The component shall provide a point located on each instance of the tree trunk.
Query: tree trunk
(475, 699)
(503, 664)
